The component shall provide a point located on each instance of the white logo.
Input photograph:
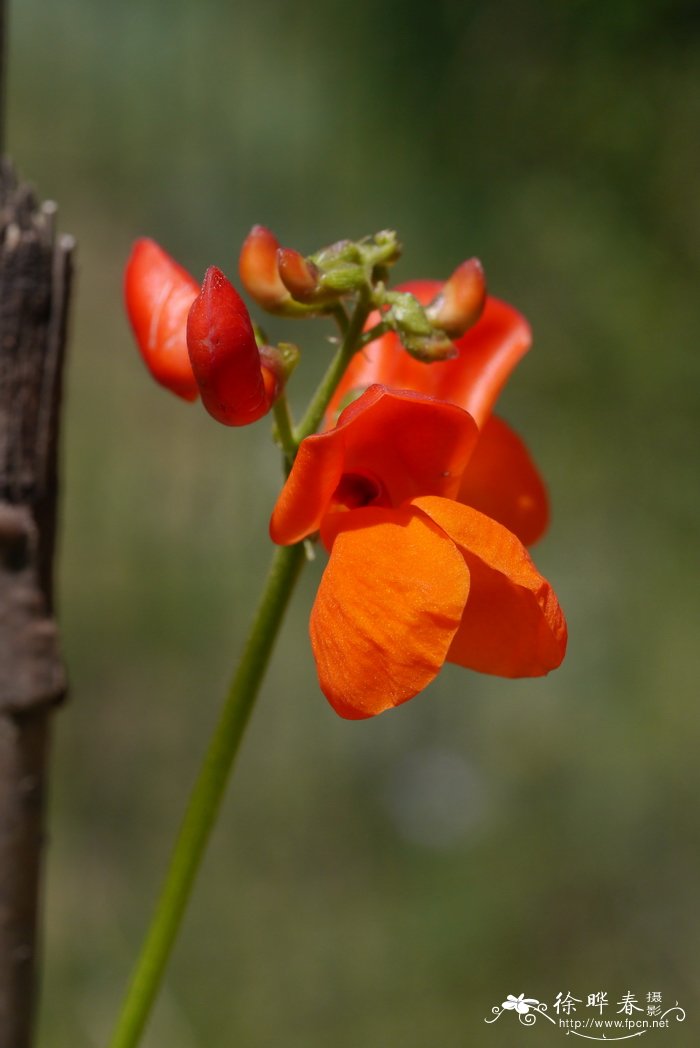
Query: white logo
(630, 1019)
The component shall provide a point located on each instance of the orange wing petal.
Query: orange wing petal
(388, 606)
(502, 481)
(512, 625)
(488, 352)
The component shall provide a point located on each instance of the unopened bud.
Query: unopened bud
(235, 387)
(299, 275)
(461, 301)
(259, 272)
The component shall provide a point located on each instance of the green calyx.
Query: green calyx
(407, 317)
(348, 266)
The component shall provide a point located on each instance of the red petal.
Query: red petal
(411, 445)
(158, 294)
(512, 625)
(502, 481)
(488, 352)
(389, 603)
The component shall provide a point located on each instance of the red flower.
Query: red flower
(158, 294)
(200, 341)
(501, 479)
(415, 577)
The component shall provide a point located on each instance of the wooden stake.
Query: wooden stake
(35, 272)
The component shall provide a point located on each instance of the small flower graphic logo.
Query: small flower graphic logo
(520, 1004)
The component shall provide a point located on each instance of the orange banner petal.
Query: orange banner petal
(388, 606)
(512, 625)
(409, 444)
(502, 481)
(488, 352)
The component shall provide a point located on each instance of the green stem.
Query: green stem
(285, 430)
(312, 419)
(207, 796)
(341, 317)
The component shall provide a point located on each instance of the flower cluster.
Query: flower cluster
(426, 508)
(424, 499)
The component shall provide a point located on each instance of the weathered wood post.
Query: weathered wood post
(35, 270)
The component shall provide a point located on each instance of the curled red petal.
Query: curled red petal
(408, 444)
(487, 353)
(158, 294)
(389, 603)
(512, 624)
(502, 482)
(224, 354)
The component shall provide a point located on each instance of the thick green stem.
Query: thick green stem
(207, 796)
(312, 419)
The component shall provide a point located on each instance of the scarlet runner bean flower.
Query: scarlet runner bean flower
(423, 497)
(415, 576)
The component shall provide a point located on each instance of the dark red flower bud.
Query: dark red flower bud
(461, 300)
(158, 294)
(236, 386)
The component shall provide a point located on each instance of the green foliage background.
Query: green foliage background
(388, 882)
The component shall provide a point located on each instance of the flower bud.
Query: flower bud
(461, 301)
(299, 276)
(158, 294)
(236, 386)
(260, 276)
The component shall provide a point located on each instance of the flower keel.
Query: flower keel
(389, 603)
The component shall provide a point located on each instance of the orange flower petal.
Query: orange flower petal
(389, 603)
(488, 352)
(409, 444)
(502, 481)
(308, 490)
(512, 625)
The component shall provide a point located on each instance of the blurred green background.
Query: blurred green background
(388, 882)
